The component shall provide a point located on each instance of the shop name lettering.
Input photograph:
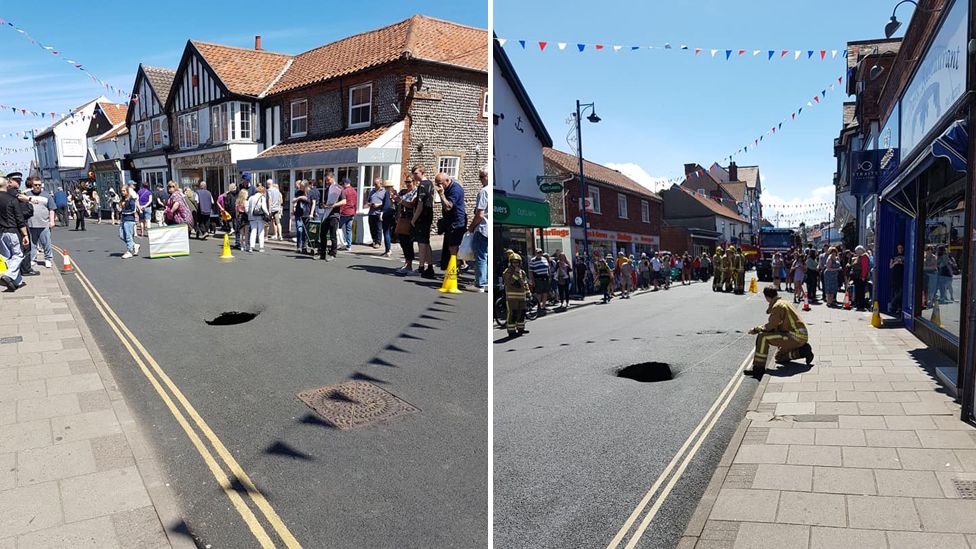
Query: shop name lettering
(948, 59)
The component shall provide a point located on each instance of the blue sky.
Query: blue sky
(662, 108)
(110, 40)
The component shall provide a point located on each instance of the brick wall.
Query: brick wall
(446, 120)
(608, 219)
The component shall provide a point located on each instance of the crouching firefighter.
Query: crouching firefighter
(784, 330)
(516, 292)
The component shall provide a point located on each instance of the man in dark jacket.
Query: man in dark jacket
(26, 212)
(13, 237)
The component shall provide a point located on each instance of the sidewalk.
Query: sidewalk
(863, 450)
(75, 470)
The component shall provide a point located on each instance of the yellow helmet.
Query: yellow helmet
(718, 249)
(514, 257)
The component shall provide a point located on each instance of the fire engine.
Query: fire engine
(773, 240)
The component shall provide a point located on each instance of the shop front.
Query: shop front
(150, 169)
(515, 221)
(923, 206)
(108, 176)
(611, 242)
(215, 167)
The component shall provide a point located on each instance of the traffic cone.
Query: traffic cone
(847, 299)
(752, 286)
(68, 267)
(876, 316)
(806, 301)
(3, 265)
(449, 286)
(226, 253)
(936, 315)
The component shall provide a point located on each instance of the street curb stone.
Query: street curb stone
(160, 494)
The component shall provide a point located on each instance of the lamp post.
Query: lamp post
(593, 118)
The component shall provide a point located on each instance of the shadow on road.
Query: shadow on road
(281, 449)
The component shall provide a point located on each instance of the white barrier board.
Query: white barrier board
(169, 241)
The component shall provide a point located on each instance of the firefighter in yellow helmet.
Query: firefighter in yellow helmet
(784, 330)
(516, 292)
(729, 264)
(740, 272)
(718, 269)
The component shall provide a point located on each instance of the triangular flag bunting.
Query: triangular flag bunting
(833, 54)
(771, 53)
(823, 53)
(741, 52)
(616, 48)
(581, 46)
(809, 54)
(599, 46)
(684, 47)
(783, 53)
(816, 98)
(634, 48)
(824, 93)
(714, 52)
(796, 54)
(522, 43)
(501, 42)
(755, 52)
(542, 46)
(697, 51)
(561, 45)
(728, 53)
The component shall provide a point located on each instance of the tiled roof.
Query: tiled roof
(244, 71)
(119, 129)
(49, 129)
(735, 188)
(114, 112)
(161, 81)
(419, 37)
(596, 172)
(344, 140)
(749, 174)
(716, 207)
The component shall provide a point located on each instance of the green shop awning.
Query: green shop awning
(519, 211)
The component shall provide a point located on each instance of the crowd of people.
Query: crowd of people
(26, 219)
(830, 271)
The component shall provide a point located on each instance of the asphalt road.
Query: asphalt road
(419, 480)
(576, 448)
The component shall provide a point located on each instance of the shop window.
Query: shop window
(942, 250)
(621, 206)
(360, 105)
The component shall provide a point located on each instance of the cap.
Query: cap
(15, 175)
(387, 183)
(246, 177)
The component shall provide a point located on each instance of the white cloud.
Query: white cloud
(640, 175)
(815, 207)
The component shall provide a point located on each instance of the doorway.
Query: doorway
(283, 179)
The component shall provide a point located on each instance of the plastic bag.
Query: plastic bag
(466, 249)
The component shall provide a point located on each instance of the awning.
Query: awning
(902, 193)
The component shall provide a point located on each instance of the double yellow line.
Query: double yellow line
(158, 378)
(672, 473)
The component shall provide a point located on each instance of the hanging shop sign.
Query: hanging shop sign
(864, 172)
(939, 81)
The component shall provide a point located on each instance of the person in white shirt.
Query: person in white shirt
(257, 214)
(274, 204)
(656, 271)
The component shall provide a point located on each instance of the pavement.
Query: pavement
(579, 452)
(249, 463)
(75, 469)
(865, 449)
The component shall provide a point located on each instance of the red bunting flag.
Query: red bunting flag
(839, 78)
(599, 46)
(794, 116)
(816, 98)
(823, 53)
(783, 53)
(697, 51)
(741, 52)
(542, 46)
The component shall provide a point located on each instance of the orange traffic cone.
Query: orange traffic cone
(847, 299)
(806, 301)
(68, 267)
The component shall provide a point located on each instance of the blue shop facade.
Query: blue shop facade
(924, 205)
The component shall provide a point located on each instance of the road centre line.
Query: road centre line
(249, 518)
(726, 395)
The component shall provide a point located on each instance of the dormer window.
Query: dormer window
(299, 118)
(360, 105)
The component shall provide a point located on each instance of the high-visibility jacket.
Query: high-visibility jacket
(783, 318)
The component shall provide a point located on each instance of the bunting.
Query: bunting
(45, 114)
(583, 47)
(54, 51)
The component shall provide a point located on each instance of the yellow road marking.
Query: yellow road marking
(726, 395)
(255, 494)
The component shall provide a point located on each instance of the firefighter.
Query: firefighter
(604, 275)
(784, 330)
(516, 292)
(740, 272)
(718, 268)
(729, 264)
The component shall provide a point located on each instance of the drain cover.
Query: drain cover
(646, 372)
(965, 488)
(231, 318)
(354, 404)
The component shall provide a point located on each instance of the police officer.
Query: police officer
(784, 330)
(516, 291)
(740, 272)
(719, 269)
(14, 180)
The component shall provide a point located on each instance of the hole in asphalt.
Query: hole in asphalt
(231, 318)
(647, 372)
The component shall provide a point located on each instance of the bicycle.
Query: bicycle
(501, 308)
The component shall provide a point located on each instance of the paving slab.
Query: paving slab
(834, 538)
(842, 480)
(882, 513)
(772, 536)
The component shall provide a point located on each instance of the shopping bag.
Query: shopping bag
(466, 249)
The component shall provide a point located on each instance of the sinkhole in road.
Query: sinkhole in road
(231, 318)
(647, 372)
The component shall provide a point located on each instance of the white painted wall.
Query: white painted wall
(518, 152)
(116, 148)
(71, 139)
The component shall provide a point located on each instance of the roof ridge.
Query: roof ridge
(343, 39)
(158, 68)
(269, 52)
(411, 40)
(275, 80)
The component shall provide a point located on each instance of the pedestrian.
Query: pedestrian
(453, 215)
(347, 211)
(718, 265)
(604, 273)
(160, 196)
(41, 222)
(80, 201)
(403, 227)
(479, 233)
(313, 191)
(13, 237)
(241, 224)
(626, 278)
(61, 206)
(128, 212)
(300, 213)
(204, 210)
(832, 270)
(799, 275)
(813, 271)
(784, 330)
(822, 268)
(563, 277)
(26, 213)
(115, 205)
(375, 201)
(930, 272)
(656, 270)
(257, 214)
(274, 205)
(145, 210)
(861, 272)
(695, 268)
(706, 265)
(644, 271)
(516, 292)
(423, 219)
(177, 211)
(740, 271)
(539, 281)
(334, 202)
(730, 269)
(779, 270)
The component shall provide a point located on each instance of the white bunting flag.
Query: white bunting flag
(755, 53)
(833, 54)
(501, 42)
(714, 52)
(616, 48)
(561, 45)
(796, 54)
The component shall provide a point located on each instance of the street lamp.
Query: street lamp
(593, 118)
(894, 24)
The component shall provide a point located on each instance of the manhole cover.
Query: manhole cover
(647, 372)
(965, 488)
(354, 404)
(231, 318)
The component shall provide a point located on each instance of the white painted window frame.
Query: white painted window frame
(593, 193)
(368, 105)
(645, 211)
(622, 206)
(457, 165)
(292, 118)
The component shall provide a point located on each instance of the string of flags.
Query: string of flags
(54, 51)
(41, 114)
(22, 134)
(15, 150)
(728, 54)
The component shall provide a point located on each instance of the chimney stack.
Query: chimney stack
(733, 172)
(257, 42)
(690, 168)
